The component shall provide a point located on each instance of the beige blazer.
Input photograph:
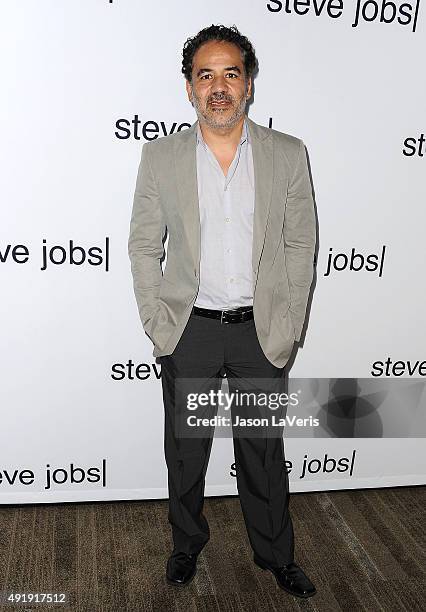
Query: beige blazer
(284, 234)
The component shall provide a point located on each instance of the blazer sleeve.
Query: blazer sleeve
(299, 240)
(145, 243)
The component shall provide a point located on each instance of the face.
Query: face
(219, 89)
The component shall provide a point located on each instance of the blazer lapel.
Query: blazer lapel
(262, 150)
(187, 188)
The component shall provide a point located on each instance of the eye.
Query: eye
(232, 74)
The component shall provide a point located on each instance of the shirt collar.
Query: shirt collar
(244, 134)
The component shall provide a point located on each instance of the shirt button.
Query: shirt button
(228, 250)
(227, 219)
(231, 280)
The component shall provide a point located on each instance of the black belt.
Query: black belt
(236, 315)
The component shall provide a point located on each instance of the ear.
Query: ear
(249, 86)
(188, 90)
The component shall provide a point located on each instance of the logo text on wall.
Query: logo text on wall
(366, 11)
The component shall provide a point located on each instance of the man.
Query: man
(236, 200)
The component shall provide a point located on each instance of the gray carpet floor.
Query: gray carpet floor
(364, 550)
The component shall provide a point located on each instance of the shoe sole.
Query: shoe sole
(264, 567)
(181, 584)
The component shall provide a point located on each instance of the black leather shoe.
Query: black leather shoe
(181, 568)
(290, 577)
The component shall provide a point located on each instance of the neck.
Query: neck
(222, 136)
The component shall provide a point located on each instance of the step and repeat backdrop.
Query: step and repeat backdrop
(84, 84)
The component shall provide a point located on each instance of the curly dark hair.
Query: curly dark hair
(218, 32)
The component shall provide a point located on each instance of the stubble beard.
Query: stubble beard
(213, 117)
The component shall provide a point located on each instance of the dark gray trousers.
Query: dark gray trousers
(205, 350)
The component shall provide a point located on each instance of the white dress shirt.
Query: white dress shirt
(226, 216)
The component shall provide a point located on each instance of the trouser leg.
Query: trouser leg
(262, 478)
(199, 356)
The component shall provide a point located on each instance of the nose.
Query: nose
(219, 84)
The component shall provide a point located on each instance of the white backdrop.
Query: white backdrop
(75, 77)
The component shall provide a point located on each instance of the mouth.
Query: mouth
(219, 103)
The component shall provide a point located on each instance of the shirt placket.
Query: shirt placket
(229, 255)
(228, 241)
